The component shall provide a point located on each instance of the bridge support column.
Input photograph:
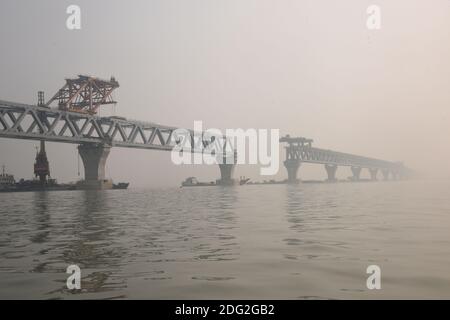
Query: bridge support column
(226, 175)
(331, 172)
(292, 169)
(94, 159)
(373, 174)
(385, 174)
(356, 171)
(226, 166)
(395, 175)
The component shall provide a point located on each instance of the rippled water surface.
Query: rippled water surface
(274, 241)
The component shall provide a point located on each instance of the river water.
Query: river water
(303, 241)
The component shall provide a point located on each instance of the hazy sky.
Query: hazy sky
(308, 68)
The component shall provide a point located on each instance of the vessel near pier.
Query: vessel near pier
(193, 182)
(8, 184)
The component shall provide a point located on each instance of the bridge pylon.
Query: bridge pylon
(373, 174)
(395, 175)
(292, 166)
(331, 172)
(385, 173)
(356, 171)
(94, 160)
(227, 166)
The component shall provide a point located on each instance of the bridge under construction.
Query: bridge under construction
(70, 116)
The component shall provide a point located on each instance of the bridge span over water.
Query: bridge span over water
(74, 121)
(300, 150)
(97, 135)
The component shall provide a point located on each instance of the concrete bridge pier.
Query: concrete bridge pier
(373, 174)
(292, 166)
(227, 166)
(394, 175)
(331, 172)
(94, 159)
(226, 175)
(385, 173)
(356, 171)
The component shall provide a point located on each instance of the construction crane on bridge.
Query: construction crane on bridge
(84, 95)
(74, 120)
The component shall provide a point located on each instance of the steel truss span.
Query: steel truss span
(300, 149)
(21, 121)
(329, 157)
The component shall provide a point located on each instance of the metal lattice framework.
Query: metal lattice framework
(85, 94)
(322, 156)
(30, 122)
(21, 121)
(300, 149)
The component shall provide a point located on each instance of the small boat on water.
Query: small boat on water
(243, 181)
(121, 185)
(193, 182)
(7, 181)
(8, 184)
(41, 182)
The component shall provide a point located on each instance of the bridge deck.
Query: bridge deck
(330, 157)
(22, 121)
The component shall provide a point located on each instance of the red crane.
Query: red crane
(41, 166)
(85, 94)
